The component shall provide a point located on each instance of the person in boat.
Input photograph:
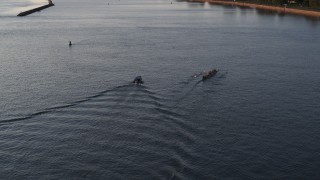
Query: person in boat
(138, 80)
(209, 74)
(70, 44)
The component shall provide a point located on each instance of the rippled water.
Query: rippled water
(71, 113)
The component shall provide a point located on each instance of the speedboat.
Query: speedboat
(209, 74)
(137, 80)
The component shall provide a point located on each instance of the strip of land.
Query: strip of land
(26, 13)
(265, 7)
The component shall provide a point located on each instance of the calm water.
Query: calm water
(71, 113)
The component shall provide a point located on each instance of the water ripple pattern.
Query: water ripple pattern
(72, 113)
(132, 126)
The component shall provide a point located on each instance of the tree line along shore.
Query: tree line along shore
(310, 4)
(300, 7)
(313, 4)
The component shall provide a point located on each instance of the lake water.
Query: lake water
(72, 113)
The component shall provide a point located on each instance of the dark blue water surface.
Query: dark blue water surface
(71, 113)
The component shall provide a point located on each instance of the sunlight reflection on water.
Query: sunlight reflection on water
(12, 7)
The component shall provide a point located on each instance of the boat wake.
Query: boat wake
(128, 121)
(188, 87)
(48, 110)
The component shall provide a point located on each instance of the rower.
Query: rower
(137, 80)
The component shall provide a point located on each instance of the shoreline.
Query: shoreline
(265, 7)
